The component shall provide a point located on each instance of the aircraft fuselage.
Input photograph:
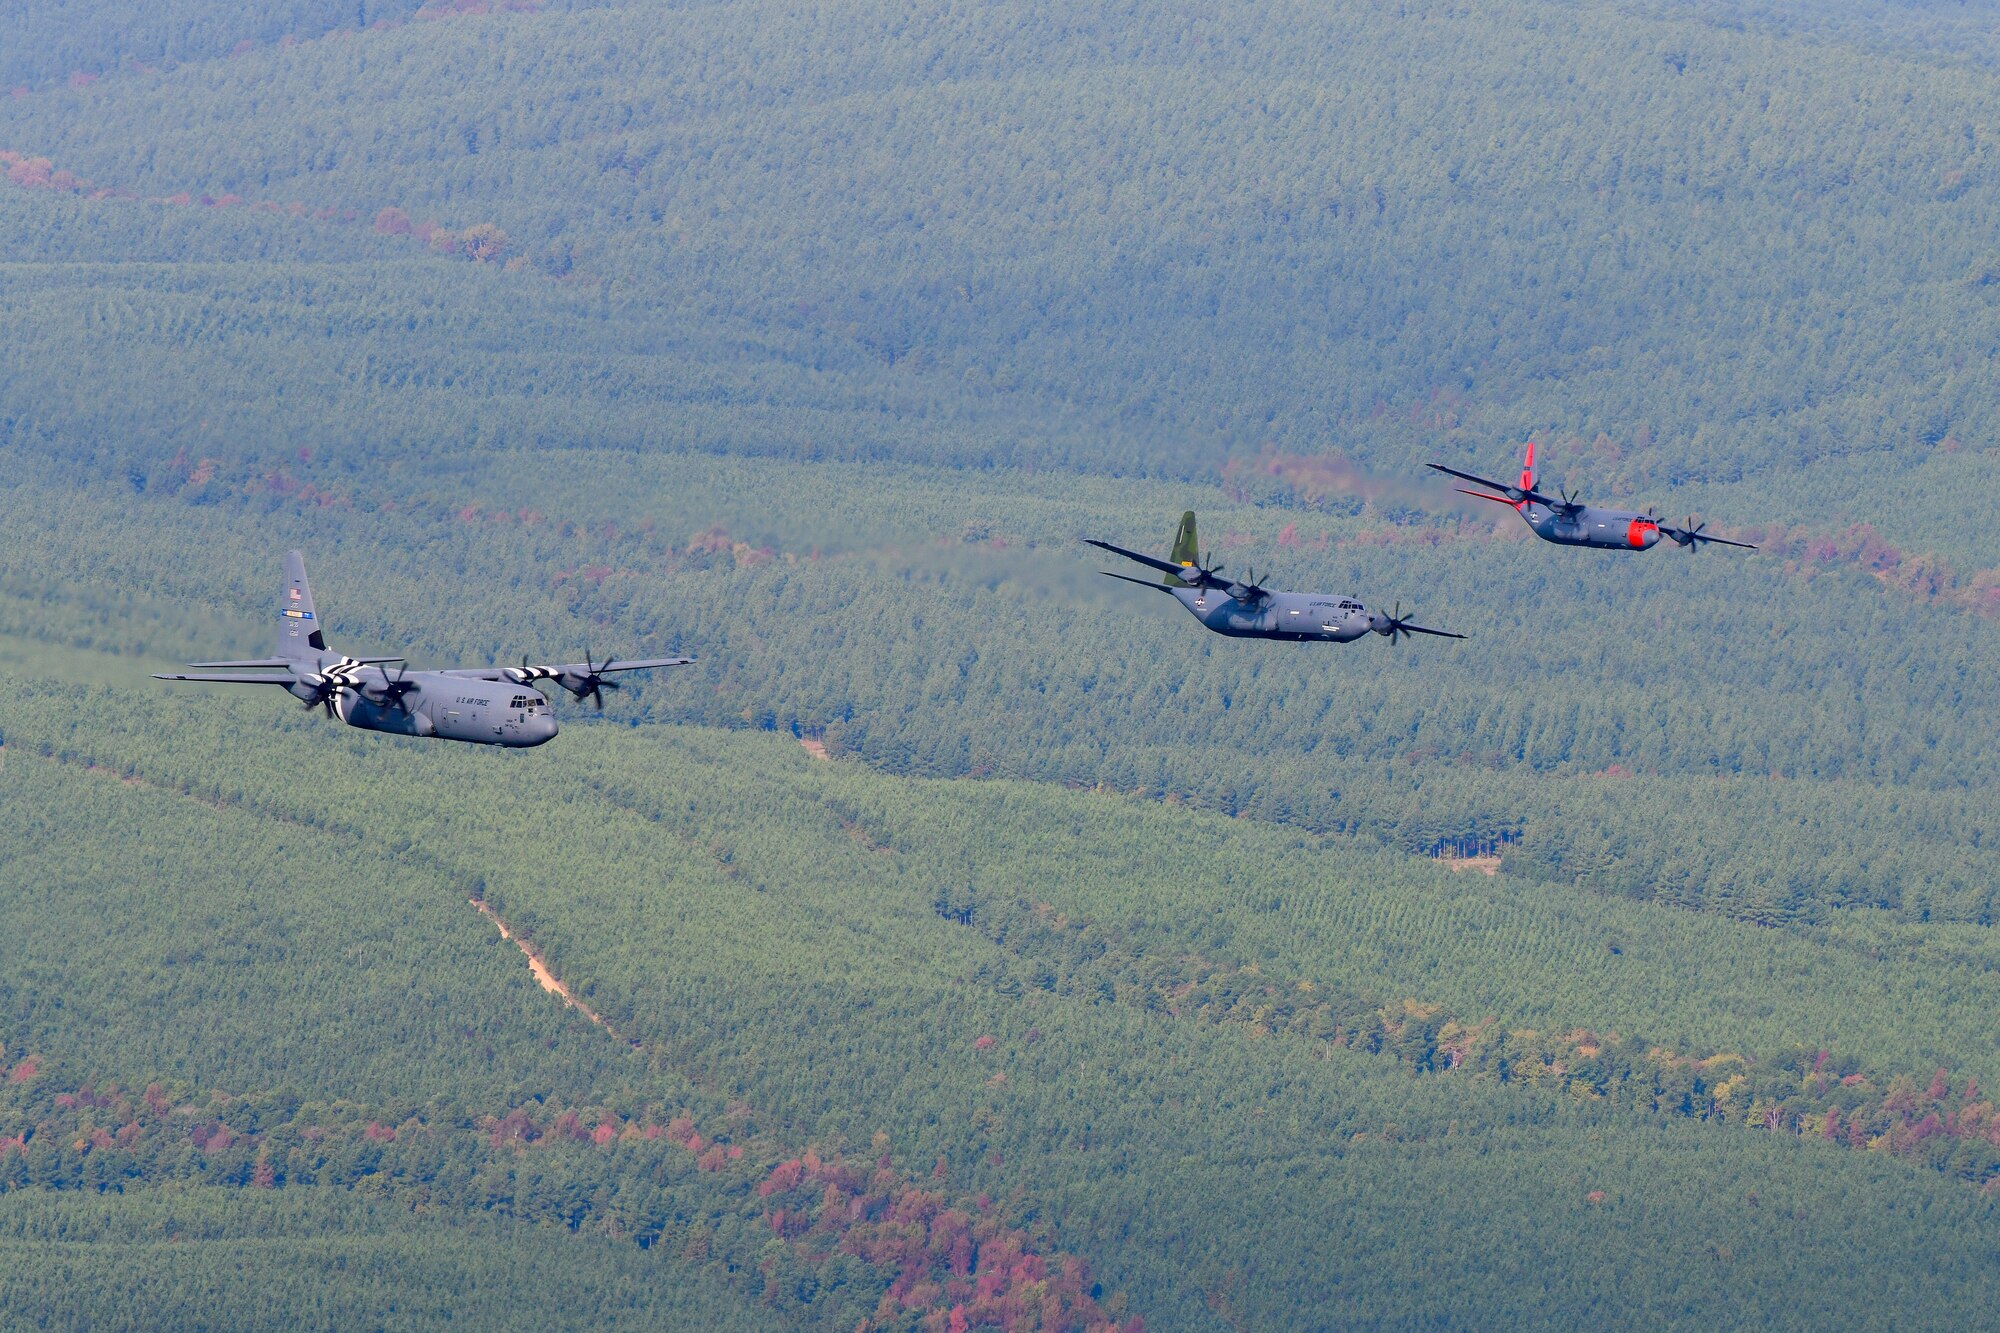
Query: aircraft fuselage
(1293, 616)
(493, 705)
(1591, 525)
(443, 704)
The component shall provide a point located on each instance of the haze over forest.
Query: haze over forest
(1086, 971)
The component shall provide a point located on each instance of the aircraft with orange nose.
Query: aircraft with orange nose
(1567, 521)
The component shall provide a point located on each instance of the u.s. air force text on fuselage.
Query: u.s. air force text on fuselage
(1241, 609)
(478, 705)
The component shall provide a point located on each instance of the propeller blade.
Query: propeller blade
(400, 689)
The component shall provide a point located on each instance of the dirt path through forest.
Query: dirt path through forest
(550, 982)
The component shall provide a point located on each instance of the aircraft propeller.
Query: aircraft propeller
(1395, 626)
(590, 683)
(1692, 538)
(1249, 591)
(1246, 588)
(394, 690)
(594, 679)
(324, 689)
(1202, 575)
(327, 685)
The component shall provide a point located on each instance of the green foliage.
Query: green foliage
(1284, 227)
(777, 932)
(1803, 1092)
(216, 1257)
(1783, 763)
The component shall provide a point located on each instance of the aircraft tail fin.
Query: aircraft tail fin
(299, 633)
(1528, 469)
(1186, 550)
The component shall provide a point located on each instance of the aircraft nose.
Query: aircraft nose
(544, 730)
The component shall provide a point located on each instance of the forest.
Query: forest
(968, 940)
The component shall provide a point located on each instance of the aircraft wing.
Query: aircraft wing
(1144, 583)
(1697, 536)
(273, 663)
(235, 678)
(1164, 566)
(1500, 486)
(635, 664)
(1408, 628)
(575, 670)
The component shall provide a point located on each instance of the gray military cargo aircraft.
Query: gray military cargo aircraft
(1567, 522)
(1242, 610)
(480, 705)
